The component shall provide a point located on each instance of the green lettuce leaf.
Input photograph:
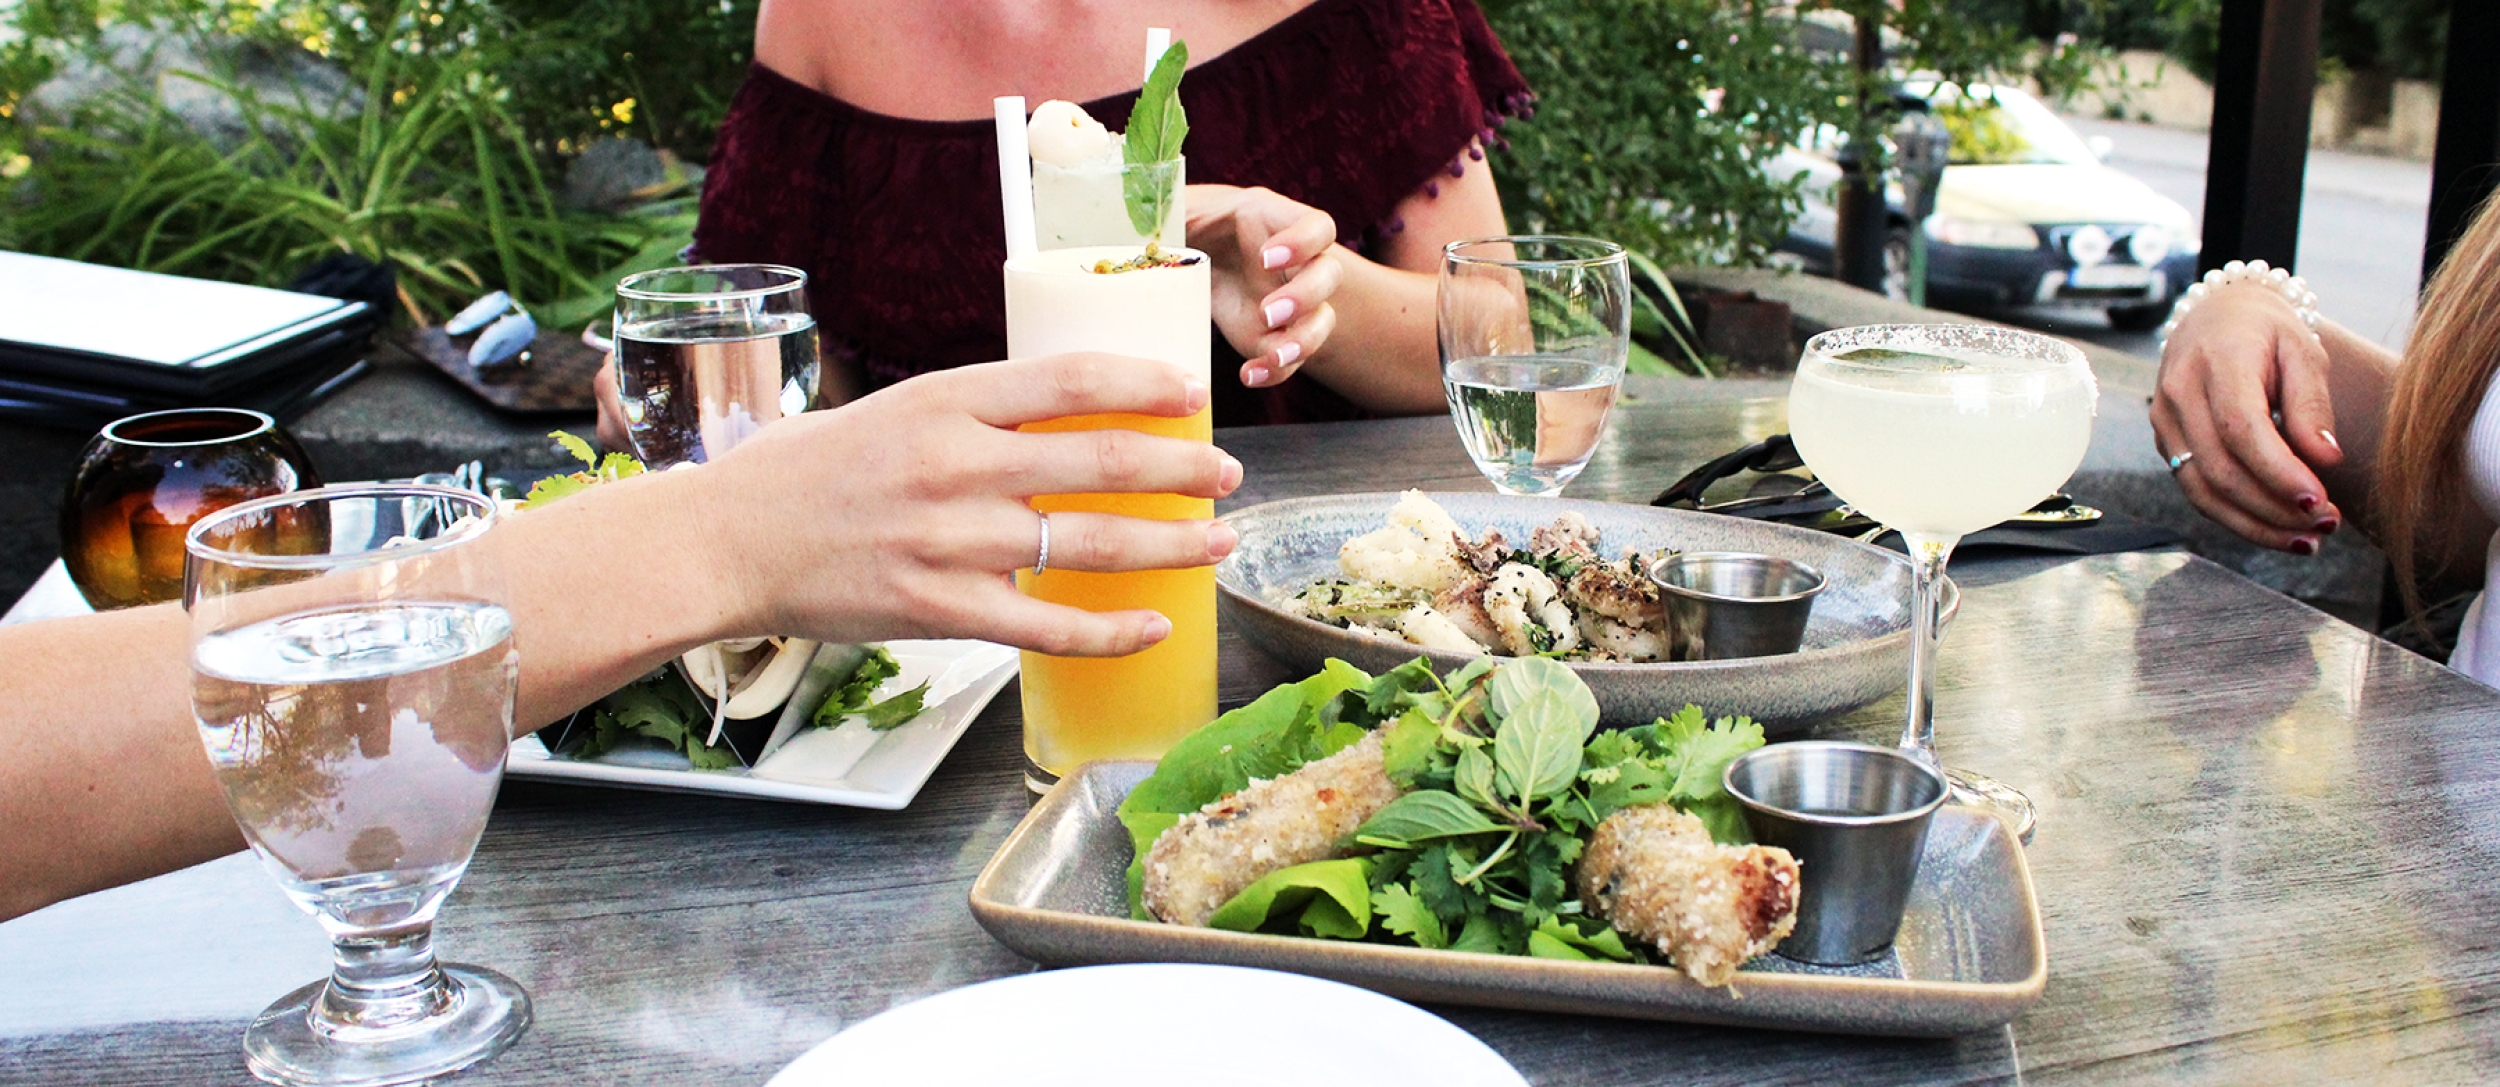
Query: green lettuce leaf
(659, 706)
(1322, 898)
(1272, 736)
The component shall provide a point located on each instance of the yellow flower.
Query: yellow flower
(623, 112)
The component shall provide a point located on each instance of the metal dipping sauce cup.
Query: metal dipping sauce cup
(1722, 605)
(1855, 816)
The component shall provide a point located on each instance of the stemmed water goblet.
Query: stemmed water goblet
(1535, 331)
(1938, 431)
(353, 676)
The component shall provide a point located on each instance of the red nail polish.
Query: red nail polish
(2303, 545)
(2308, 503)
(2326, 525)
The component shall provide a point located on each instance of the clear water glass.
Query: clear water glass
(353, 675)
(1534, 334)
(709, 354)
(1938, 431)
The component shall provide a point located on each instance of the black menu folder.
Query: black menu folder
(111, 339)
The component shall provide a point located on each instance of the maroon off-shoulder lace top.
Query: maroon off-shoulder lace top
(1348, 106)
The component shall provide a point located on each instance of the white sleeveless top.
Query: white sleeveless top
(2478, 645)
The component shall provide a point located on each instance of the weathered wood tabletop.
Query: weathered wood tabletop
(2268, 853)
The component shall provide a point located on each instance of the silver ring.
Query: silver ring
(2180, 461)
(1041, 561)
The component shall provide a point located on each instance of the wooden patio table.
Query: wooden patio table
(2269, 852)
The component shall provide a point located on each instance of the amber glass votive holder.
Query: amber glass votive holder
(143, 480)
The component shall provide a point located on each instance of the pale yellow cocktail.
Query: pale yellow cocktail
(1077, 710)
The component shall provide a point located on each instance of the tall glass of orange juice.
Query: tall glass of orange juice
(1077, 710)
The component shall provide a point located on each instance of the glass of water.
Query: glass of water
(1534, 334)
(1938, 431)
(708, 354)
(352, 677)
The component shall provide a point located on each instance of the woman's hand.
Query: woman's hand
(1275, 268)
(901, 514)
(2239, 359)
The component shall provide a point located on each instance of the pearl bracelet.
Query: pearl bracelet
(2292, 288)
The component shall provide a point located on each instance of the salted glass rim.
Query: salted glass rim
(486, 513)
(625, 287)
(2044, 348)
(263, 424)
(1607, 252)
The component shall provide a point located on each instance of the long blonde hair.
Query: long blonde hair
(2449, 363)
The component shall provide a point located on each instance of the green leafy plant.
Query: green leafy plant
(433, 175)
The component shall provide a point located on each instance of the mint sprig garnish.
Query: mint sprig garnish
(1156, 128)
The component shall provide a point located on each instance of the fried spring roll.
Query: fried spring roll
(1307, 815)
(1654, 873)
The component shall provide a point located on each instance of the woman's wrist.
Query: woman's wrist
(2246, 276)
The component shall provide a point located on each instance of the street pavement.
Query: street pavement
(2361, 226)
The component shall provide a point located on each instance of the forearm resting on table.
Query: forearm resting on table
(106, 781)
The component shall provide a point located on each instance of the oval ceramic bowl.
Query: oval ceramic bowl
(1857, 644)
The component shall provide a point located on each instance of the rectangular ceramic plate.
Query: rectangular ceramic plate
(1969, 957)
(890, 766)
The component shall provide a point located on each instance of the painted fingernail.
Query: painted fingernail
(1228, 476)
(1279, 312)
(2304, 545)
(2308, 503)
(1288, 353)
(1221, 539)
(1157, 629)
(1254, 375)
(2329, 435)
(1195, 394)
(1275, 256)
(2327, 525)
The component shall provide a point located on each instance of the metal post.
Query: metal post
(2265, 78)
(1858, 247)
(2467, 165)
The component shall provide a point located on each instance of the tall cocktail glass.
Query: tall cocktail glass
(1077, 710)
(352, 677)
(1534, 333)
(706, 355)
(1938, 431)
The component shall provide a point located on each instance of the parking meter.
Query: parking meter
(1922, 145)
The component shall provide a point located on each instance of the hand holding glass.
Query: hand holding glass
(1534, 334)
(1938, 431)
(353, 677)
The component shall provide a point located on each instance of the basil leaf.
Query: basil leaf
(1537, 751)
(1421, 817)
(1475, 776)
(1528, 677)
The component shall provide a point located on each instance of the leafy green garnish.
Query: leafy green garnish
(857, 695)
(1156, 127)
(1507, 778)
(595, 471)
(659, 706)
(1322, 898)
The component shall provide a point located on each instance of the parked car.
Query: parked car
(2027, 214)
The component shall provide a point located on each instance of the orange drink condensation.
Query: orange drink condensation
(1077, 710)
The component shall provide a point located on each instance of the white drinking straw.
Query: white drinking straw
(1158, 39)
(1015, 177)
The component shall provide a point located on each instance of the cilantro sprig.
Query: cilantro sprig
(1507, 777)
(594, 471)
(857, 696)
